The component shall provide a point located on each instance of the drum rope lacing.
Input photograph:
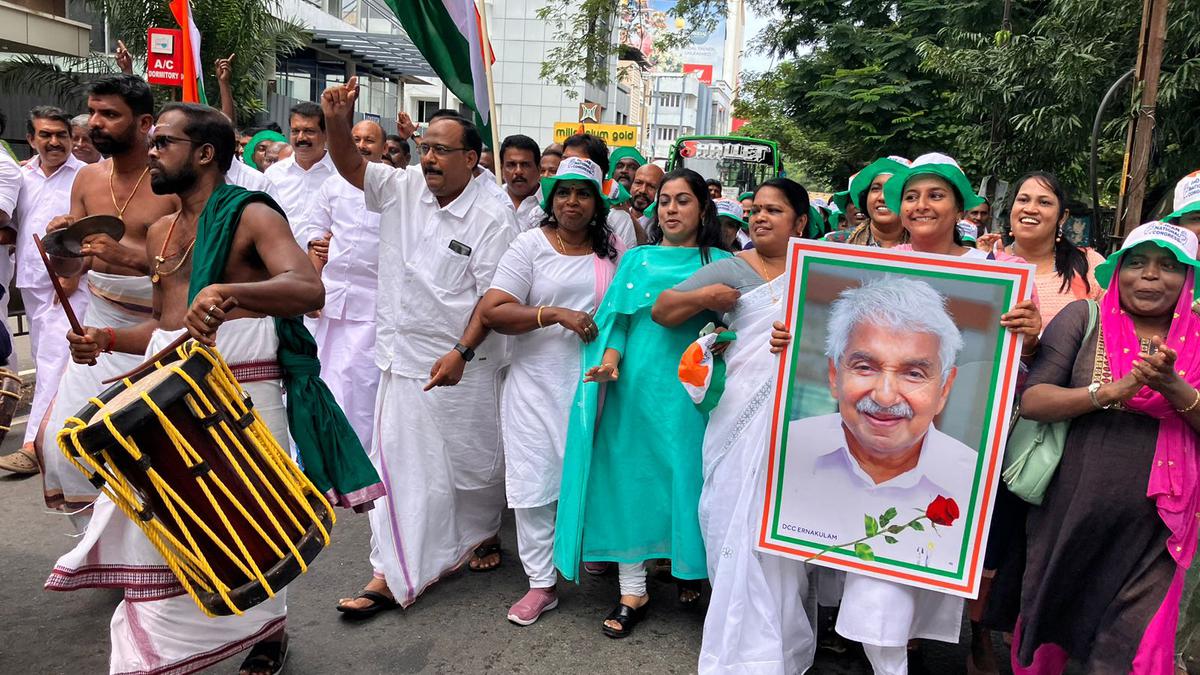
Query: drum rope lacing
(186, 561)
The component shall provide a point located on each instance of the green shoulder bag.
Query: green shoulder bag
(1035, 448)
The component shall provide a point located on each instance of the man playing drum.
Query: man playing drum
(225, 247)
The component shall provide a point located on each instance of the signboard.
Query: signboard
(613, 134)
(642, 21)
(164, 57)
(890, 424)
(755, 153)
(702, 71)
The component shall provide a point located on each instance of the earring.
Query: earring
(1058, 238)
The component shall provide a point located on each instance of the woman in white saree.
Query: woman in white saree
(757, 620)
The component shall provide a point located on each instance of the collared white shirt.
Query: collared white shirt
(10, 184)
(436, 262)
(488, 180)
(297, 190)
(251, 179)
(352, 273)
(42, 198)
(526, 209)
(826, 493)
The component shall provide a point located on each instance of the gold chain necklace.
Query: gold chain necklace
(159, 259)
(113, 191)
(563, 247)
(770, 280)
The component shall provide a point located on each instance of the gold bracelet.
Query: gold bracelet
(1190, 408)
(539, 316)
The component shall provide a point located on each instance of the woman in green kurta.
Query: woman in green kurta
(631, 472)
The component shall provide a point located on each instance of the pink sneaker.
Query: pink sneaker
(529, 608)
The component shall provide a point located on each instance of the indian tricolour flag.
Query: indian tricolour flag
(193, 72)
(448, 35)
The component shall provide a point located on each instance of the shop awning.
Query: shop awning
(391, 56)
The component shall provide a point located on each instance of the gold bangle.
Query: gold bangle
(1190, 408)
(539, 316)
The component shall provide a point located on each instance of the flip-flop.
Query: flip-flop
(625, 615)
(266, 657)
(379, 603)
(482, 551)
(19, 463)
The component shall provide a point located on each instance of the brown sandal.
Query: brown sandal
(19, 463)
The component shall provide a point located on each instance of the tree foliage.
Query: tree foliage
(251, 29)
(871, 78)
(583, 34)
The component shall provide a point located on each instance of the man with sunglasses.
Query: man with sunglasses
(120, 115)
(436, 441)
(226, 270)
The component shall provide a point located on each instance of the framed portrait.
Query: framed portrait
(891, 412)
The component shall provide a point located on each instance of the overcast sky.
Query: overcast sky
(755, 23)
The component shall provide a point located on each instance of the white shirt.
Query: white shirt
(297, 188)
(42, 198)
(252, 179)
(427, 289)
(352, 273)
(10, 184)
(488, 180)
(826, 494)
(525, 210)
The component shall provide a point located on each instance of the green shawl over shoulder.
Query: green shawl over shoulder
(632, 470)
(330, 452)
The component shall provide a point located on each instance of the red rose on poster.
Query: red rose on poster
(942, 511)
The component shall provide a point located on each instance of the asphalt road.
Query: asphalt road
(458, 626)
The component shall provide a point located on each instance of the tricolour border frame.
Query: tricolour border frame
(1019, 281)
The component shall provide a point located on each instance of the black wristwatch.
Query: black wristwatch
(467, 352)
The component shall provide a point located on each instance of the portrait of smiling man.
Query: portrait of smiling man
(891, 347)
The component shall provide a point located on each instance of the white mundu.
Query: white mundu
(118, 302)
(295, 189)
(438, 452)
(42, 198)
(346, 330)
(158, 628)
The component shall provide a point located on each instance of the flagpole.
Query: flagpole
(493, 118)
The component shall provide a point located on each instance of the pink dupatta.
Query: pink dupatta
(605, 269)
(1173, 478)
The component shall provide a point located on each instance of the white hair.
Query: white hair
(80, 120)
(895, 303)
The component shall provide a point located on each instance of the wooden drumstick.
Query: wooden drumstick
(226, 306)
(58, 289)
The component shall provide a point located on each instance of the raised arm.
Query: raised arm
(224, 75)
(338, 105)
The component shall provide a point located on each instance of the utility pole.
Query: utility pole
(1136, 166)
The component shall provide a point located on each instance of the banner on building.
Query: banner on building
(613, 134)
(643, 21)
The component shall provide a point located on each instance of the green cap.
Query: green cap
(862, 180)
(749, 194)
(1179, 241)
(932, 164)
(840, 200)
(571, 168)
(728, 208)
(264, 135)
(622, 153)
(1187, 196)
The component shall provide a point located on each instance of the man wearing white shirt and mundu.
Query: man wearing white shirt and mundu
(46, 193)
(343, 239)
(436, 440)
(892, 348)
(298, 177)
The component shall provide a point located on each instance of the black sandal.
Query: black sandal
(625, 615)
(379, 603)
(686, 587)
(266, 657)
(482, 551)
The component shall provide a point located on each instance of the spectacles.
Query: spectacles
(439, 150)
(161, 142)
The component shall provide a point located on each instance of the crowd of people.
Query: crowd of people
(515, 343)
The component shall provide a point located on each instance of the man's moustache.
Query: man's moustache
(868, 406)
(430, 171)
